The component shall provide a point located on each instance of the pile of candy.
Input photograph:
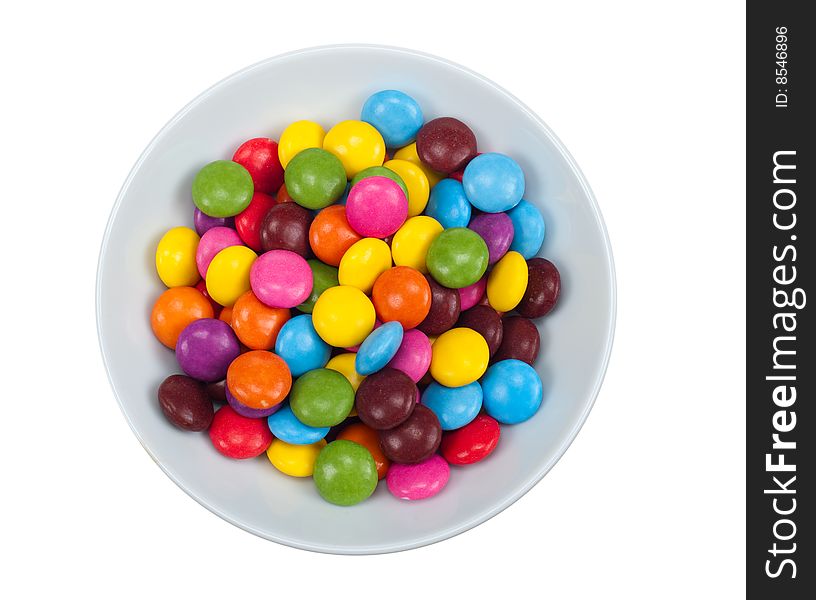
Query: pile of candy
(352, 310)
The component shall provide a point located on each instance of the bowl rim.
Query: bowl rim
(535, 477)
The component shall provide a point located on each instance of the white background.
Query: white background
(647, 503)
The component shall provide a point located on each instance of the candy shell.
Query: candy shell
(445, 144)
(402, 294)
(203, 223)
(395, 115)
(457, 257)
(239, 437)
(211, 243)
(367, 437)
(543, 289)
(460, 357)
(345, 364)
(315, 178)
(418, 481)
(299, 136)
(520, 340)
(414, 355)
(409, 153)
(455, 407)
(300, 346)
(356, 144)
(528, 229)
(246, 411)
(473, 442)
(176, 257)
(206, 348)
(376, 207)
(378, 348)
(382, 171)
(185, 403)
(363, 263)
(445, 308)
(285, 426)
(248, 222)
(222, 189)
(507, 282)
(493, 182)
(228, 274)
(485, 321)
(497, 232)
(323, 277)
(411, 242)
(512, 391)
(281, 278)
(259, 156)
(345, 473)
(413, 440)
(174, 310)
(343, 316)
(321, 398)
(259, 379)
(416, 182)
(286, 227)
(385, 399)
(295, 460)
(449, 205)
(256, 324)
(330, 235)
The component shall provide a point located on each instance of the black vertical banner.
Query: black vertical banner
(781, 256)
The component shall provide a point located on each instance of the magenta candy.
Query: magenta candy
(205, 349)
(246, 411)
(471, 295)
(281, 279)
(496, 229)
(414, 355)
(203, 223)
(376, 207)
(419, 481)
(211, 243)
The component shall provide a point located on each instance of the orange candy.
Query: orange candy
(226, 315)
(256, 324)
(283, 195)
(402, 294)
(259, 379)
(368, 438)
(330, 234)
(174, 310)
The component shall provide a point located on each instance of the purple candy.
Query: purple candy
(206, 348)
(203, 223)
(496, 229)
(246, 411)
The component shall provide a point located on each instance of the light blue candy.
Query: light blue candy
(300, 346)
(378, 348)
(512, 391)
(285, 426)
(528, 229)
(448, 204)
(395, 115)
(455, 407)
(493, 182)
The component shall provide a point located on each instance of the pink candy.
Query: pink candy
(469, 296)
(419, 481)
(414, 355)
(281, 279)
(212, 242)
(376, 207)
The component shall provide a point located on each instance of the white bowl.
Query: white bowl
(330, 84)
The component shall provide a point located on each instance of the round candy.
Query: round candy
(174, 310)
(380, 172)
(357, 144)
(235, 436)
(246, 411)
(449, 205)
(402, 294)
(228, 274)
(176, 257)
(367, 437)
(225, 315)
(445, 307)
(471, 295)
(285, 426)
(259, 379)
(520, 340)
(378, 348)
(217, 391)
(457, 258)
(497, 232)
(286, 227)
(281, 278)
(212, 242)
(322, 398)
(222, 189)
(283, 195)
(455, 407)
(259, 156)
(345, 473)
(446, 144)
(473, 442)
(323, 277)
(415, 439)
(460, 357)
(411, 242)
(414, 355)
(363, 263)
(416, 181)
(386, 398)
(409, 153)
(203, 223)
(512, 391)
(507, 282)
(248, 222)
(185, 403)
(300, 346)
(293, 459)
(330, 235)
(376, 207)
(256, 324)
(419, 481)
(485, 321)
(529, 229)
(299, 136)
(315, 178)
(206, 348)
(345, 364)
(343, 316)
(543, 289)
(395, 115)
(493, 182)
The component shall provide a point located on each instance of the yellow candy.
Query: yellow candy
(459, 357)
(416, 181)
(412, 240)
(228, 274)
(363, 263)
(343, 316)
(297, 460)
(176, 257)
(409, 153)
(299, 136)
(357, 144)
(507, 282)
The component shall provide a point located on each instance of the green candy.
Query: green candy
(315, 178)
(457, 257)
(380, 172)
(321, 398)
(324, 276)
(222, 189)
(345, 473)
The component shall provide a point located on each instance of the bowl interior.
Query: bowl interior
(329, 85)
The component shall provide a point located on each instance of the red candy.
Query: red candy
(235, 436)
(473, 442)
(259, 156)
(248, 222)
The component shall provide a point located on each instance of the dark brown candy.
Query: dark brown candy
(486, 321)
(445, 144)
(286, 227)
(543, 288)
(520, 340)
(445, 306)
(414, 440)
(185, 403)
(386, 398)
(217, 391)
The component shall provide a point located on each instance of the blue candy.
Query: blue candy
(448, 204)
(395, 115)
(300, 346)
(378, 348)
(512, 391)
(285, 426)
(455, 407)
(528, 228)
(493, 182)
